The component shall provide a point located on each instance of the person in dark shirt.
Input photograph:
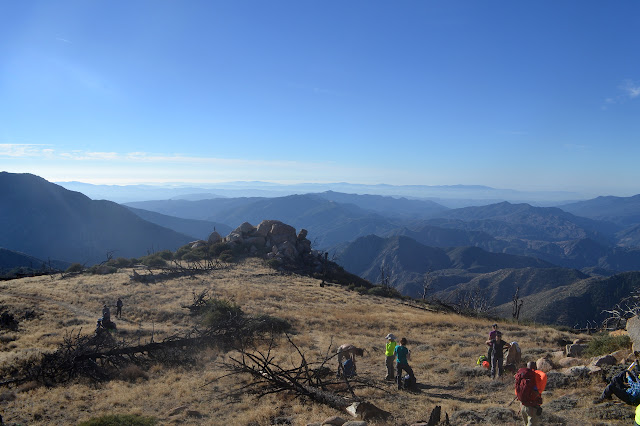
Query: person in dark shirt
(402, 356)
(498, 346)
(119, 308)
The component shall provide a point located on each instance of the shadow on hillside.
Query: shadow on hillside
(435, 394)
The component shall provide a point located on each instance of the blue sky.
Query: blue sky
(540, 95)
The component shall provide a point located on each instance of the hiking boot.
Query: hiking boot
(598, 401)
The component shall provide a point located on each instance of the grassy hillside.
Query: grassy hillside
(444, 351)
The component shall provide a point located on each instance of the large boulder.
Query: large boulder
(576, 349)
(257, 241)
(633, 328)
(303, 246)
(568, 362)
(245, 229)
(264, 227)
(544, 364)
(214, 238)
(288, 250)
(599, 361)
(281, 232)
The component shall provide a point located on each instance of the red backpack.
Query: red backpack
(526, 389)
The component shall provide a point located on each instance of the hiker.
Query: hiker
(492, 336)
(493, 332)
(390, 355)
(530, 384)
(498, 346)
(347, 354)
(625, 385)
(106, 313)
(119, 308)
(402, 356)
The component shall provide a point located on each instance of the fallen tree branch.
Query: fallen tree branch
(303, 380)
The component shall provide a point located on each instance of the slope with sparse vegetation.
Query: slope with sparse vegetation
(445, 347)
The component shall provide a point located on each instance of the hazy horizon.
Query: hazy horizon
(540, 96)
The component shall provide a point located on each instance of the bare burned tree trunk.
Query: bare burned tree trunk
(517, 305)
(427, 283)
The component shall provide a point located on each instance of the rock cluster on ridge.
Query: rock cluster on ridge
(278, 238)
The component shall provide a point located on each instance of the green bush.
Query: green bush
(75, 267)
(192, 256)
(120, 420)
(217, 249)
(267, 323)
(182, 251)
(606, 344)
(219, 311)
(166, 255)
(120, 262)
(274, 263)
(153, 261)
(103, 269)
(384, 292)
(227, 256)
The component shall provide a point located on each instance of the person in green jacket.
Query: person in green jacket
(390, 355)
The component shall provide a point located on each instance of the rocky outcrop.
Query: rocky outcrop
(576, 349)
(278, 240)
(544, 364)
(633, 328)
(214, 238)
(600, 361)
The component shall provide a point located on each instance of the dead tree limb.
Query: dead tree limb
(303, 380)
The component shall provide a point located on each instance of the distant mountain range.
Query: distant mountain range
(623, 211)
(494, 248)
(196, 229)
(45, 220)
(452, 196)
(329, 223)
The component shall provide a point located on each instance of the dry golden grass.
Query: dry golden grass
(444, 351)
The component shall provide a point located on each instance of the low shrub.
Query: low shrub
(120, 420)
(75, 267)
(120, 262)
(153, 261)
(227, 256)
(102, 270)
(132, 373)
(384, 291)
(273, 263)
(606, 344)
(267, 323)
(219, 311)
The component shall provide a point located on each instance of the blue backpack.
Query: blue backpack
(348, 369)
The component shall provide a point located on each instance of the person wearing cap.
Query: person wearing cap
(390, 356)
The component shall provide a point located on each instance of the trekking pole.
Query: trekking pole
(514, 398)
